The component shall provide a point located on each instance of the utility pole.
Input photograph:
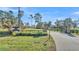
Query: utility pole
(19, 17)
(20, 14)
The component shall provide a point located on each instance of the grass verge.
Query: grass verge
(26, 43)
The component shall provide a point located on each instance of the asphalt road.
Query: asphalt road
(65, 42)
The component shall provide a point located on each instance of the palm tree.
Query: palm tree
(37, 18)
(31, 17)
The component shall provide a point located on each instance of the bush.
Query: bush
(14, 34)
(74, 31)
(29, 33)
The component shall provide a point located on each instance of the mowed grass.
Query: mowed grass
(26, 43)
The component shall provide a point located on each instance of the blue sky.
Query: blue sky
(48, 13)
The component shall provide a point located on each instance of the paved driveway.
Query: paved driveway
(65, 42)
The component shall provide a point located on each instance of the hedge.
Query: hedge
(29, 33)
(75, 31)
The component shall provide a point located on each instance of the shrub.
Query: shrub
(74, 31)
(14, 34)
(40, 33)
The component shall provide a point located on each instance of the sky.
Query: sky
(48, 13)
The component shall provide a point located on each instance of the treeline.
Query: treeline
(9, 20)
(66, 25)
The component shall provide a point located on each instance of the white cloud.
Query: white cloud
(7, 9)
(4, 9)
(76, 13)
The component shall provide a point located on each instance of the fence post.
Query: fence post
(49, 34)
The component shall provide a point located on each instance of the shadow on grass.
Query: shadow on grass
(3, 34)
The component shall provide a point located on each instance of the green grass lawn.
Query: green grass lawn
(26, 43)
